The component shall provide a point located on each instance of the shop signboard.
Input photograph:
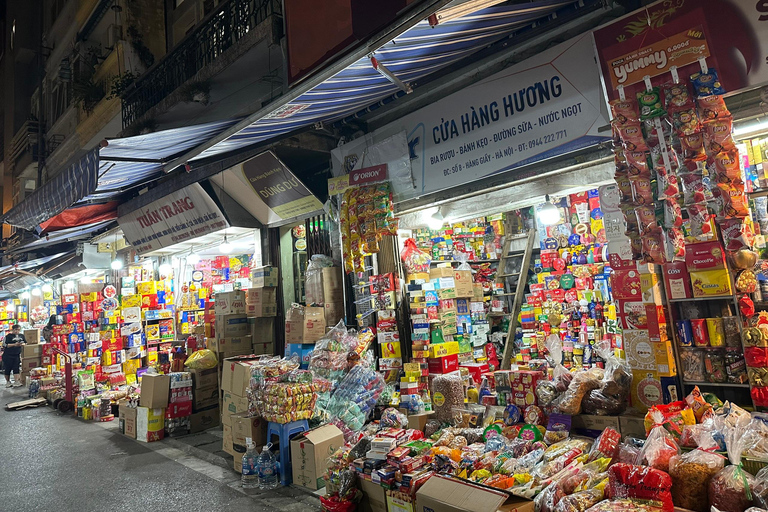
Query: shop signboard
(731, 35)
(277, 187)
(184, 215)
(545, 106)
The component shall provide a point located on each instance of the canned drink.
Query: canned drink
(716, 332)
(684, 333)
(700, 333)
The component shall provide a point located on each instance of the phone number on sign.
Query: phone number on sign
(543, 140)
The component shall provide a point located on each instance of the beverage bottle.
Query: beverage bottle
(268, 469)
(250, 478)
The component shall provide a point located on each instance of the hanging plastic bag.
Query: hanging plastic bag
(313, 278)
(731, 489)
(414, 259)
(203, 359)
(583, 382)
(611, 398)
(761, 488)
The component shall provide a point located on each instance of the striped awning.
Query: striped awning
(75, 182)
(417, 53)
(64, 235)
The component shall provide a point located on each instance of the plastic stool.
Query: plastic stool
(284, 433)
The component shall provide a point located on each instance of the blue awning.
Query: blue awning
(64, 235)
(76, 181)
(417, 53)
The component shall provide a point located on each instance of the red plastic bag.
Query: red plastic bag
(658, 449)
(640, 483)
(414, 259)
(337, 504)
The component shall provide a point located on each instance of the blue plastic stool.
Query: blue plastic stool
(284, 433)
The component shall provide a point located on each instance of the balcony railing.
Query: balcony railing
(223, 29)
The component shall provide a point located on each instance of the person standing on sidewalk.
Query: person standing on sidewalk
(12, 355)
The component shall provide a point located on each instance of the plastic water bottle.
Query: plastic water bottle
(250, 478)
(268, 469)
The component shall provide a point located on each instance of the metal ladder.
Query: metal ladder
(519, 292)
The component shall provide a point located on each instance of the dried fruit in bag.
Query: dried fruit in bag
(730, 488)
(691, 473)
(650, 105)
(658, 449)
(706, 84)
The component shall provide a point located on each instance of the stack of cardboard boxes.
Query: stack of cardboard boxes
(304, 326)
(261, 309)
(205, 400)
(235, 418)
(149, 417)
(31, 353)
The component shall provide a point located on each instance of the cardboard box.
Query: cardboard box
(231, 346)
(264, 277)
(150, 424)
(444, 494)
(243, 427)
(203, 420)
(652, 289)
(204, 378)
(32, 336)
(227, 443)
(259, 349)
(127, 419)
(592, 425)
(309, 455)
(231, 326)
(445, 364)
(395, 504)
(625, 285)
(463, 283)
(325, 285)
(632, 426)
(677, 282)
(154, 390)
(314, 324)
(28, 363)
(232, 404)
(261, 302)
(262, 330)
(205, 398)
(441, 272)
(301, 350)
(229, 303)
(31, 351)
(374, 496)
(704, 256)
(334, 312)
(711, 283)
(236, 374)
(294, 324)
(419, 421)
(649, 389)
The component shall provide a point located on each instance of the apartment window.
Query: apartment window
(59, 100)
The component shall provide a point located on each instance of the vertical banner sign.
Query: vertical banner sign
(732, 35)
(278, 187)
(178, 217)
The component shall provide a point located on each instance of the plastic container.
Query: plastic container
(268, 469)
(250, 478)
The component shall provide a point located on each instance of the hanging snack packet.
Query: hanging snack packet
(674, 244)
(699, 217)
(677, 97)
(624, 112)
(712, 107)
(624, 184)
(706, 84)
(653, 247)
(686, 121)
(734, 201)
(632, 137)
(695, 190)
(692, 146)
(667, 185)
(637, 163)
(737, 234)
(717, 135)
(653, 134)
(646, 218)
(673, 214)
(650, 104)
(642, 193)
(726, 166)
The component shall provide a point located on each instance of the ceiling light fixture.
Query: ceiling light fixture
(24, 296)
(47, 288)
(116, 264)
(226, 247)
(548, 214)
(436, 221)
(36, 291)
(754, 128)
(193, 258)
